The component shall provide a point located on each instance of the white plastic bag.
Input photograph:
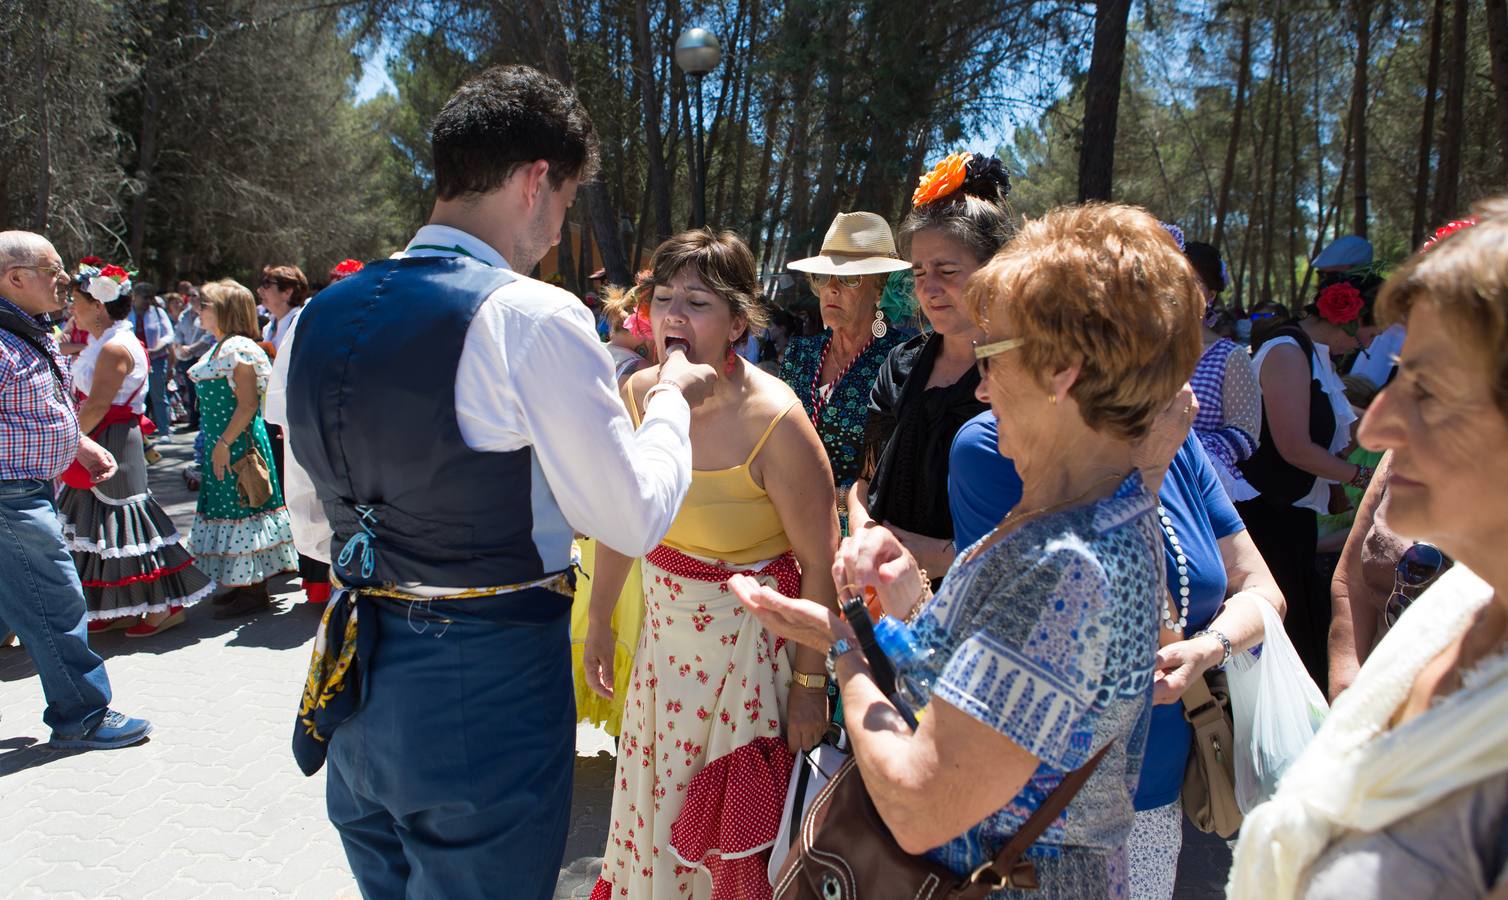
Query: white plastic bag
(813, 770)
(1277, 708)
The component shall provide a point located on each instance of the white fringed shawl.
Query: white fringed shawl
(1357, 775)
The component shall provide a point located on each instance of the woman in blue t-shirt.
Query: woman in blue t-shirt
(1221, 565)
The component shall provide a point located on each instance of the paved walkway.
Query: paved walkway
(213, 805)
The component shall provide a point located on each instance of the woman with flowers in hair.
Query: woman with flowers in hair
(925, 390)
(135, 570)
(716, 706)
(1306, 428)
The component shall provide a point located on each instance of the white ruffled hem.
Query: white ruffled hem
(80, 545)
(142, 609)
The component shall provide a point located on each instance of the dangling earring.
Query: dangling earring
(878, 326)
(1052, 399)
(732, 361)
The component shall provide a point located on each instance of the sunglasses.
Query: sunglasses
(1417, 569)
(983, 352)
(820, 282)
(270, 282)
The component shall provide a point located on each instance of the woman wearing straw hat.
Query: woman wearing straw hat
(833, 372)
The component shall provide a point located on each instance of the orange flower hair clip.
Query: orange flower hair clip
(945, 178)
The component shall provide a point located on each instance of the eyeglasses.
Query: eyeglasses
(51, 271)
(1417, 569)
(269, 282)
(819, 281)
(983, 352)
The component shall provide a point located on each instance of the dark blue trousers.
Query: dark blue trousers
(453, 779)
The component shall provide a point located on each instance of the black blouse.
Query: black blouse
(909, 435)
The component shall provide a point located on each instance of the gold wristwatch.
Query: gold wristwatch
(809, 681)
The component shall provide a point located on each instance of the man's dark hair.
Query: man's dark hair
(506, 117)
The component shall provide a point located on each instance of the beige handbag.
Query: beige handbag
(1209, 781)
(253, 480)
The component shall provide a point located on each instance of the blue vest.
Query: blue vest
(372, 419)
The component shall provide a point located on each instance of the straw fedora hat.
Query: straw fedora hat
(858, 243)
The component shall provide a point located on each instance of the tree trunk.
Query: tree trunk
(1427, 129)
(761, 203)
(1359, 96)
(1228, 176)
(597, 213)
(44, 128)
(146, 160)
(1497, 52)
(1102, 94)
(1448, 177)
(735, 203)
(644, 71)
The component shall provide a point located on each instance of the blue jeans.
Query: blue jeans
(42, 602)
(453, 779)
(157, 389)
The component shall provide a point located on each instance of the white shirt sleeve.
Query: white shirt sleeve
(311, 530)
(533, 372)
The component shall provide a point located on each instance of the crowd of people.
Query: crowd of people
(1042, 452)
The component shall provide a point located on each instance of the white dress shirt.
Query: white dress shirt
(277, 331)
(534, 374)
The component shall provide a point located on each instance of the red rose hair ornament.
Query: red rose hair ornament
(1341, 304)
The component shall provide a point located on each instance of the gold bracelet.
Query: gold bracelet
(921, 602)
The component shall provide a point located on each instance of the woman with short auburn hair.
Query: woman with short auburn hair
(237, 545)
(1043, 635)
(1403, 792)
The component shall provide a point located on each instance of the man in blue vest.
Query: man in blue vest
(460, 422)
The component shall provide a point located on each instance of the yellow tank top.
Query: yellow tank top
(726, 515)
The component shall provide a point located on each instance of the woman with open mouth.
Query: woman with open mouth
(712, 720)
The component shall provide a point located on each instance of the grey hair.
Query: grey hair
(22, 248)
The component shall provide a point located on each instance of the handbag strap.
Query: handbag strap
(1199, 703)
(1004, 867)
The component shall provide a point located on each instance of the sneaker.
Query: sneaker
(114, 730)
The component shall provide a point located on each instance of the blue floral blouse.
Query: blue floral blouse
(1049, 638)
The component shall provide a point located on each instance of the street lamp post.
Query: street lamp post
(697, 52)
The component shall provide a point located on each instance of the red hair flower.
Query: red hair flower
(346, 268)
(91, 261)
(1340, 304)
(114, 272)
(1446, 230)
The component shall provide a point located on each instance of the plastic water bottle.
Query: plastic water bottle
(913, 675)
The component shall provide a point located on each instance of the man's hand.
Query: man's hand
(96, 459)
(695, 380)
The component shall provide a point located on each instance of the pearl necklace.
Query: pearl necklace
(1183, 576)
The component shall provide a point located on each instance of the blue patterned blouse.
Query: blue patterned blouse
(841, 422)
(1049, 637)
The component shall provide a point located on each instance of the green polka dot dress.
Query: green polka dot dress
(234, 544)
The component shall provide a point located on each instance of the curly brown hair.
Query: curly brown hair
(1105, 287)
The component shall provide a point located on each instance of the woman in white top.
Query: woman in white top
(1306, 427)
(1403, 793)
(135, 570)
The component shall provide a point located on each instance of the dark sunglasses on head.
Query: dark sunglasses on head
(1417, 569)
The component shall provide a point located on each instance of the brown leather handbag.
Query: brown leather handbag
(1209, 779)
(845, 851)
(253, 478)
